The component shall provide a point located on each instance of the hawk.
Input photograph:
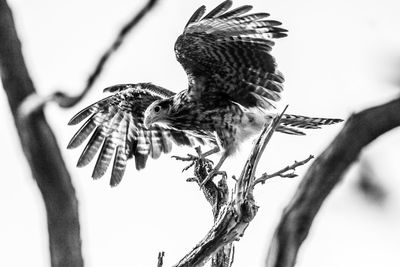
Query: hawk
(233, 83)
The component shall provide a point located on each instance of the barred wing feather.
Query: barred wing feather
(227, 54)
(115, 126)
(290, 124)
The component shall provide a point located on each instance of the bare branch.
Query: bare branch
(41, 150)
(283, 173)
(234, 216)
(67, 101)
(326, 171)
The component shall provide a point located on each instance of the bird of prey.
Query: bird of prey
(233, 83)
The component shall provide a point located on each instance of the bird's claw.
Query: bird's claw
(211, 175)
(193, 160)
(189, 157)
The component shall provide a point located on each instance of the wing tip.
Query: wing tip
(218, 10)
(82, 163)
(71, 145)
(116, 88)
(116, 177)
(336, 121)
(97, 173)
(75, 120)
(196, 16)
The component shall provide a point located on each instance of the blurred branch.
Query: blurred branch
(326, 171)
(67, 101)
(231, 217)
(369, 184)
(160, 261)
(41, 150)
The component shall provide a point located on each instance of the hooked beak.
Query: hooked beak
(147, 121)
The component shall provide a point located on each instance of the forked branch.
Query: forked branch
(235, 215)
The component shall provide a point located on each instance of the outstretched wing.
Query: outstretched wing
(117, 126)
(227, 54)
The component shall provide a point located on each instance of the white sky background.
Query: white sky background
(339, 58)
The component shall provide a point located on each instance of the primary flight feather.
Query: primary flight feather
(233, 82)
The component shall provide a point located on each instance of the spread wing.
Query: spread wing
(227, 54)
(116, 126)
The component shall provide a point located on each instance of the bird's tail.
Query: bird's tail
(290, 124)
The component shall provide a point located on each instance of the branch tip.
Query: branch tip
(160, 259)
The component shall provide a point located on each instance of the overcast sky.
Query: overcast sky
(340, 57)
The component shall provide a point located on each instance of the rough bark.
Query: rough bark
(41, 150)
(233, 216)
(324, 174)
(217, 195)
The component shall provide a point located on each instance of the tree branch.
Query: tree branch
(326, 171)
(68, 101)
(36, 102)
(234, 216)
(216, 194)
(41, 150)
(283, 173)
(160, 261)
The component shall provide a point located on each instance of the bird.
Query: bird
(233, 87)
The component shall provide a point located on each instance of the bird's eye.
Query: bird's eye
(157, 109)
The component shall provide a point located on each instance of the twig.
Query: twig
(67, 101)
(323, 175)
(283, 172)
(160, 259)
(41, 151)
(233, 217)
(246, 179)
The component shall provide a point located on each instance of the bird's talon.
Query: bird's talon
(211, 175)
(192, 179)
(193, 160)
(188, 158)
(188, 166)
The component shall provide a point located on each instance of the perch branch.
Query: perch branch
(234, 216)
(283, 173)
(216, 194)
(41, 150)
(325, 172)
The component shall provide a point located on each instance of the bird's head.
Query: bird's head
(157, 113)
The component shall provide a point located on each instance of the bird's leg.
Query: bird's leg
(200, 155)
(215, 170)
(210, 152)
